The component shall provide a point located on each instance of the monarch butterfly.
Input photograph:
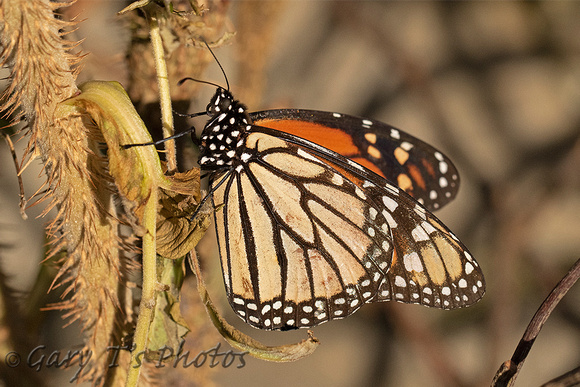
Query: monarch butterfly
(307, 235)
(317, 213)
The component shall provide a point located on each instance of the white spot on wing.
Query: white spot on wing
(355, 165)
(386, 246)
(420, 211)
(400, 281)
(412, 262)
(392, 223)
(337, 179)
(390, 203)
(428, 227)
(306, 155)
(419, 235)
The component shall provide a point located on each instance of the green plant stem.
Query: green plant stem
(164, 93)
(148, 294)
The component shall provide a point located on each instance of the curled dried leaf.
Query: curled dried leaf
(136, 171)
(177, 234)
(168, 327)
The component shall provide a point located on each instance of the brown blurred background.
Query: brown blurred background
(495, 85)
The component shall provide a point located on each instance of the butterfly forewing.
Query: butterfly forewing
(413, 165)
(430, 266)
(307, 236)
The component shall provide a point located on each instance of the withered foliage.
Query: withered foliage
(94, 273)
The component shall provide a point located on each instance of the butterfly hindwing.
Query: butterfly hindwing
(430, 266)
(413, 165)
(290, 259)
(307, 235)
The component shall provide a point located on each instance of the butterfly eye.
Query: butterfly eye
(220, 103)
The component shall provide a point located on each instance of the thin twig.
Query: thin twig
(570, 378)
(509, 370)
(164, 93)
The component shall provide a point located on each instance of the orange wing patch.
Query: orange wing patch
(417, 177)
(334, 139)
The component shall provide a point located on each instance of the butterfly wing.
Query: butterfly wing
(413, 165)
(306, 236)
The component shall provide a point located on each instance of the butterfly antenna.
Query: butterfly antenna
(182, 81)
(219, 64)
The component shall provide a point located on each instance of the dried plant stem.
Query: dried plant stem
(148, 295)
(570, 378)
(23, 200)
(509, 370)
(164, 93)
(42, 75)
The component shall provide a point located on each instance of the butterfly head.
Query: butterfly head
(221, 102)
(220, 136)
